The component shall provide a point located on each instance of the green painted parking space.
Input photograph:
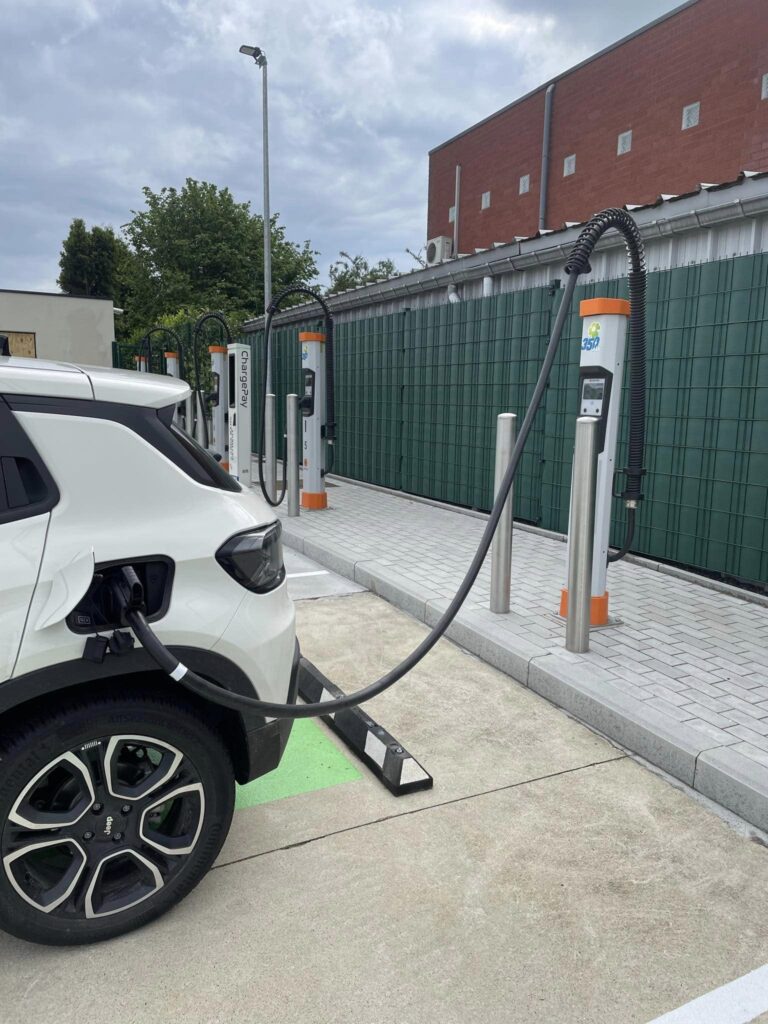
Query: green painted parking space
(311, 761)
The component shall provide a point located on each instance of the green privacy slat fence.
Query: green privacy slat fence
(369, 404)
(463, 364)
(418, 392)
(368, 385)
(708, 476)
(121, 358)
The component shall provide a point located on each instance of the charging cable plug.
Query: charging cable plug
(127, 593)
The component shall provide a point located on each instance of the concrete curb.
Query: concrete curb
(589, 695)
(729, 778)
(721, 773)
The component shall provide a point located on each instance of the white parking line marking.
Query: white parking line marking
(316, 572)
(738, 1002)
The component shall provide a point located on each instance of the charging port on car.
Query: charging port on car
(98, 610)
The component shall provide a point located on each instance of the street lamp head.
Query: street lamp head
(253, 51)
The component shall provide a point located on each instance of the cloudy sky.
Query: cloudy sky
(101, 97)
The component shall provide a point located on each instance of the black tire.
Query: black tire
(93, 850)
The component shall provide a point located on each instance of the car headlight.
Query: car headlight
(255, 558)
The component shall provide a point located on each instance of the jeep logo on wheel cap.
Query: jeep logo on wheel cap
(108, 825)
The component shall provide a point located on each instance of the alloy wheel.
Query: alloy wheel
(103, 827)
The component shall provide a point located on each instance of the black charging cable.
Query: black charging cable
(144, 350)
(578, 263)
(201, 400)
(178, 347)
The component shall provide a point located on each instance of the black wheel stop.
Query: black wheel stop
(378, 749)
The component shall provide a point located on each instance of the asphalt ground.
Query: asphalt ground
(547, 876)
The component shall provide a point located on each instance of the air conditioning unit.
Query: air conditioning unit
(438, 250)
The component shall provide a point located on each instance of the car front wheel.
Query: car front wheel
(111, 811)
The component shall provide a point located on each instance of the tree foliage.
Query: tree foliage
(197, 247)
(92, 262)
(193, 248)
(353, 271)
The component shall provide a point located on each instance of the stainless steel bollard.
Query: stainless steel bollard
(270, 467)
(292, 453)
(580, 541)
(199, 418)
(501, 548)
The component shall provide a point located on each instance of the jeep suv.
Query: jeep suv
(117, 786)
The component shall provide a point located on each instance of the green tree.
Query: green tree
(196, 247)
(74, 260)
(353, 271)
(90, 260)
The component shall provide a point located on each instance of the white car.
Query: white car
(116, 785)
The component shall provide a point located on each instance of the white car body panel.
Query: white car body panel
(68, 587)
(21, 547)
(124, 499)
(131, 388)
(260, 639)
(37, 377)
(65, 380)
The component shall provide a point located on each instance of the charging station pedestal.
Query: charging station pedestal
(601, 368)
(312, 408)
(238, 377)
(219, 440)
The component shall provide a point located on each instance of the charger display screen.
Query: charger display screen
(593, 396)
(593, 390)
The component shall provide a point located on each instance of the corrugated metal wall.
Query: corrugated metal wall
(713, 225)
(418, 392)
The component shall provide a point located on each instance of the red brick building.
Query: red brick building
(681, 101)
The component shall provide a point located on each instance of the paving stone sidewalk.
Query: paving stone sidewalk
(682, 681)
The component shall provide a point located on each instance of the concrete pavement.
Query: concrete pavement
(682, 680)
(308, 580)
(546, 878)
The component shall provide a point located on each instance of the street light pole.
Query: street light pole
(267, 220)
(261, 60)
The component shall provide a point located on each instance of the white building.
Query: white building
(51, 325)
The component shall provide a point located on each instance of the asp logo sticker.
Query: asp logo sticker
(592, 341)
